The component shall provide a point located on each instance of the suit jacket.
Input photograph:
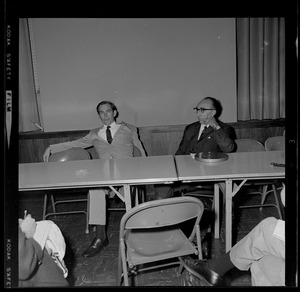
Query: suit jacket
(122, 145)
(221, 140)
(36, 266)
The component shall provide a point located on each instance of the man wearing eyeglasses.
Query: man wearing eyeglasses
(208, 134)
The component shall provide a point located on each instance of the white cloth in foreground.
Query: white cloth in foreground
(49, 236)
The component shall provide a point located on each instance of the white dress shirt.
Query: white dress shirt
(113, 129)
(201, 130)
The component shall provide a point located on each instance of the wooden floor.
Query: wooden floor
(101, 270)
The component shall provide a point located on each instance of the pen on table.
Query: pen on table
(25, 214)
(278, 164)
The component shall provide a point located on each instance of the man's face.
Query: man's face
(205, 110)
(106, 114)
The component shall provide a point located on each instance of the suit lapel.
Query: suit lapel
(208, 131)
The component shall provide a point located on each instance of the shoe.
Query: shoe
(96, 247)
(200, 269)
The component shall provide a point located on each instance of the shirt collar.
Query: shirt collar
(203, 126)
(112, 125)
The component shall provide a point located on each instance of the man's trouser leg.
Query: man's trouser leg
(97, 207)
(258, 243)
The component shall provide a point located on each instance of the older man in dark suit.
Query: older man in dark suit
(208, 134)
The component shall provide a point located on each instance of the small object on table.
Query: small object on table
(211, 156)
(278, 164)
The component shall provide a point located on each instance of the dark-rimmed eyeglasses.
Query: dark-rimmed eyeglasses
(202, 110)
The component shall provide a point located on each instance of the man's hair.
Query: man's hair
(216, 104)
(113, 106)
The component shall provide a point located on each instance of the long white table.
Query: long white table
(98, 173)
(241, 166)
(126, 172)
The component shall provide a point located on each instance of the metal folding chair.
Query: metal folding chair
(251, 145)
(75, 153)
(275, 143)
(152, 233)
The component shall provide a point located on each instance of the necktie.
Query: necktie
(108, 135)
(203, 131)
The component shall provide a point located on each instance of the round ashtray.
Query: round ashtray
(211, 156)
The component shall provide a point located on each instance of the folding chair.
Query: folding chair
(275, 143)
(75, 153)
(252, 145)
(152, 233)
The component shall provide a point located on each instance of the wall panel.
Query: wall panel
(160, 140)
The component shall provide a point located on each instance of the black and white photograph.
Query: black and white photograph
(146, 148)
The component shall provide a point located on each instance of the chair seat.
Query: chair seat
(144, 246)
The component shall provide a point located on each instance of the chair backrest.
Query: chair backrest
(162, 213)
(75, 153)
(93, 152)
(275, 143)
(249, 145)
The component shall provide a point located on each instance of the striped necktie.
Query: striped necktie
(108, 135)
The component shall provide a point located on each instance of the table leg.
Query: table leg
(217, 210)
(127, 196)
(228, 216)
